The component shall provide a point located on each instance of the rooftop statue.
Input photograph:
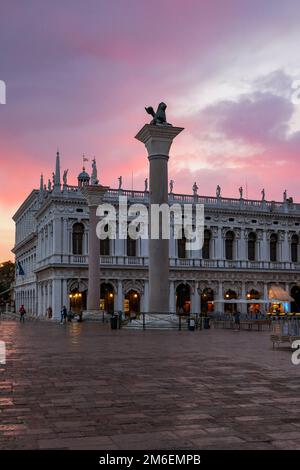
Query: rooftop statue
(195, 189)
(120, 182)
(94, 177)
(159, 118)
(65, 176)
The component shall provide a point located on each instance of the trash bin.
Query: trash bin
(191, 324)
(114, 322)
(206, 323)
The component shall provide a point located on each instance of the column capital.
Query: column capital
(94, 194)
(158, 139)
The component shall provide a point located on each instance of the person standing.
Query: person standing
(63, 314)
(49, 312)
(237, 321)
(22, 312)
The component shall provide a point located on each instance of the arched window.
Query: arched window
(131, 246)
(206, 244)
(229, 240)
(181, 247)
(251, 246)
(105, 247)
(77, 238)
(294, 248)
(273, 247)
(183, 298)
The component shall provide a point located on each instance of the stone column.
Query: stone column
(286, 248)
(172, 306)
(94, 196)
(196, 307)
(219, 305)
(146, 296)
(120, 296)
(243, 296)
(56, 298)
(158, 140)
(65, 297)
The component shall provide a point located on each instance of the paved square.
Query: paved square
(83, 386)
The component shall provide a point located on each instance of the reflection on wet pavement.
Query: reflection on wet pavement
(81, 385)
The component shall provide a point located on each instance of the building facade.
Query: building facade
(249, 246)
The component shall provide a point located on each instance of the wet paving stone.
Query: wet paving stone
(83, 386)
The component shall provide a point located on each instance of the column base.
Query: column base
(92, 315)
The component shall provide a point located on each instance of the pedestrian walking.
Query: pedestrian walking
(22, 312)
(237, 320)
(49, 312)
(63, 315)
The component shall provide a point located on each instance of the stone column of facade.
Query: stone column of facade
(265, 247)
(94, 196)
(286, 248)
(57, 236)
(219, 304)
(146, 296)
(158, 140)
(120, 296)
(195, 307)
(65, 297)
(56, 298)
(220, 244)
(243, 296)
(266, 293)
(172, 306)
(65, 240)
(243, 255)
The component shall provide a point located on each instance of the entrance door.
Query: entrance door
(107, 297)
(183, 298)
(77, 301)
(132, 303)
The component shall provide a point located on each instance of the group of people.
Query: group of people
(64, 315)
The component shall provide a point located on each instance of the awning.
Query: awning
(242, 301)
(278, 294)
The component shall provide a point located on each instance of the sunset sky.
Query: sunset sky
(79, 74)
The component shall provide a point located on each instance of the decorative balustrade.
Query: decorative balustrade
(113, 195)
(190, 263)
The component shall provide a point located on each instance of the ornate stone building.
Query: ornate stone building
(249, 245)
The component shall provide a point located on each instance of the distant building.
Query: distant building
(249, 246)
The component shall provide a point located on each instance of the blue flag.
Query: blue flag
(20, 269)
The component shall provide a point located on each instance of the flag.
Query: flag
(85, 159)
(20, 269)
